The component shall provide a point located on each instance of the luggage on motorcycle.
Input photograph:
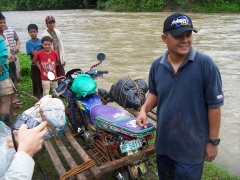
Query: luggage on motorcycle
(118, 120)
(129, 93)
(83, 85)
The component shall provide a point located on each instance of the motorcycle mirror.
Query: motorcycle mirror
(50, 75)
(101, 57)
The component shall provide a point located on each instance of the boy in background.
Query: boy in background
(57, 43)
(32, 47)
(46, 60)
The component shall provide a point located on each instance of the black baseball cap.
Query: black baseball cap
(178, 23)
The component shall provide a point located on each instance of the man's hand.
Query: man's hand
(210, 152)
(142, 119)
(30, 140)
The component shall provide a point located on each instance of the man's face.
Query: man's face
(33, 33)
(179, 45)
(2, 25)
(51, 25)
(47, 46)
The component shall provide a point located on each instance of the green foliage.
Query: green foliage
(7, 5)
(25, 64)
(212, 172)
(125, 5)
(133, 5)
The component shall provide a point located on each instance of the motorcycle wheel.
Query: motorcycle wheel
(121, 174)
(138, 170)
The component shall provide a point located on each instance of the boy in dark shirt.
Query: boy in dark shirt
(32, 47)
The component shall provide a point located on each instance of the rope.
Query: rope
(48, 124)
(78, 169)
(138, 91)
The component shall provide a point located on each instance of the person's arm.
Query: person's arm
(17, 47)
(62, 50)
(35, 61)
(149, 104)
(34, 52)
(29, 142)
(214, 118)
(37, 64)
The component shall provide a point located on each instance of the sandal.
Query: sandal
(17, 103)
(14, 116)
(17, 106)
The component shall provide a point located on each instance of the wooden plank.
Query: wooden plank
(68, 157)
(94, 169)
(124, 161)
(54, 157)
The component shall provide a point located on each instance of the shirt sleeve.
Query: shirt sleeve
(21, 167)
(29, 48)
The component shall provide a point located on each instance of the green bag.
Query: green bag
(83, 85)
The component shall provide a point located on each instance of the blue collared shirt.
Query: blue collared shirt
(183, 101)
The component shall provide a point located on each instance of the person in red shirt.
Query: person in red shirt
(46, 60)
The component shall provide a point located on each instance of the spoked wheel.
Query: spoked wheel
(121, 174)
(137, 170)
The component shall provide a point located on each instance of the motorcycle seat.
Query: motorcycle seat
(119, 120)
(109, 113)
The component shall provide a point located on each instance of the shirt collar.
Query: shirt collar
(190, 56)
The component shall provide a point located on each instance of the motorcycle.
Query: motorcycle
(109, 132)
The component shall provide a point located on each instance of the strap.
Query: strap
(78, 169)
(14, 140)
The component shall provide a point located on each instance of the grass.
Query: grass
(211, 171)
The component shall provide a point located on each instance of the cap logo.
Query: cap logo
(181, 21)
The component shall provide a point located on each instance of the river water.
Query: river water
(131, 41)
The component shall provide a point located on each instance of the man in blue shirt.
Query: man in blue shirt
(186, 87)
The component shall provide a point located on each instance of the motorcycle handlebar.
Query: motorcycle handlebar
(96, 72)
(102, 72)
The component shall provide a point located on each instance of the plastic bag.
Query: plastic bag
(6, 154)
(53, 110)
(83, 85)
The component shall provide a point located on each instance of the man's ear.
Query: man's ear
(164, 38)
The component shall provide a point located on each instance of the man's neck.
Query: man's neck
(176, 58)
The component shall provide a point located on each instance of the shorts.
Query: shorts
(7, 87)
(48, 87)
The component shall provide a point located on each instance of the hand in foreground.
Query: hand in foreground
(30, 140)
(210, 152)
(142, 119)
(9, 143)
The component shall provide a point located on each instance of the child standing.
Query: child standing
(32, 47)
(46, 60)
(57, 43)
